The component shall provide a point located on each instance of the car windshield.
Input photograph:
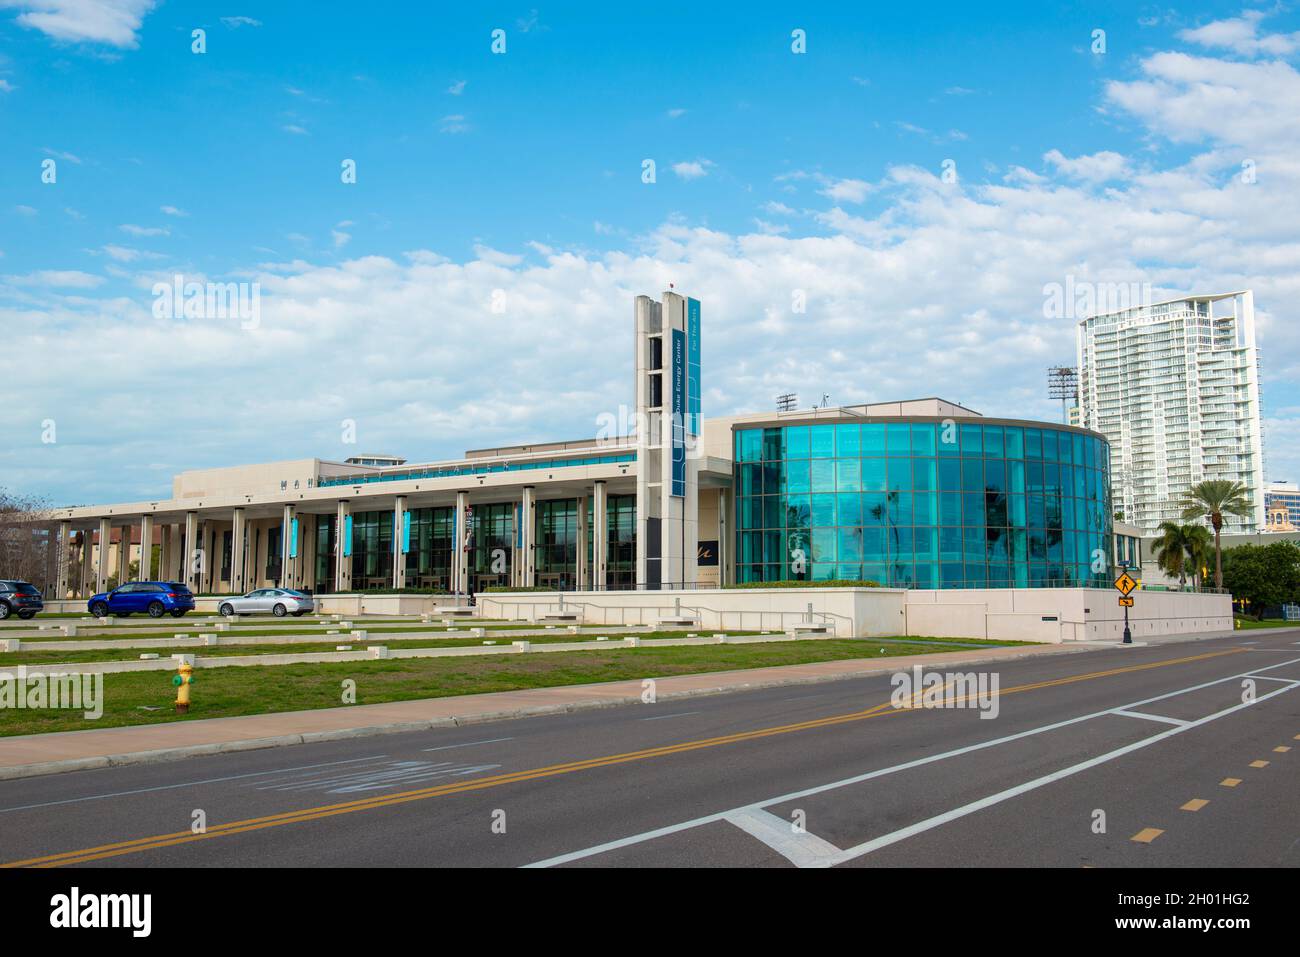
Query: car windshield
(295, 594)
(178, 587)
(25, 589)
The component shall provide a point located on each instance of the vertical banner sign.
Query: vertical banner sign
(293, 537)
(693, 365)
(679, 414)
(519, 525)
(406, 532)
(347, 536)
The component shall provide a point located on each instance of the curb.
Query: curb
(162, 755)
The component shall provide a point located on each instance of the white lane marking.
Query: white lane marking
(1150, 717)
(800, 849)
(679, 714)
(190, 784)
(905, 766)
(467, 744)
(1292, 681)
(893, 838)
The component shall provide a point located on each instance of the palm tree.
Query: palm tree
(1170, 550)
(1198, 550)
(1212, 499)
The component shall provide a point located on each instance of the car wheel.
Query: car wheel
(279, 611)
(227, 610)
(178, 612)
(99, 610)
(4, 611)
(156, 609)
(299, 614)
(27, 615)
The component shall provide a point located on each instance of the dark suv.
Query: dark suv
(155, 598)
(19, 598)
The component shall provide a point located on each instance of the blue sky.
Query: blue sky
(521, 174)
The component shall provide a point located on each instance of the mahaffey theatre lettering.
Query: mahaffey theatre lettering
(679, 413)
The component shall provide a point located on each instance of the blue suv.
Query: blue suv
(154, 598)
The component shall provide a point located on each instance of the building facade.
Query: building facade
(1282, 503)
(1174, 386)
(919, 494)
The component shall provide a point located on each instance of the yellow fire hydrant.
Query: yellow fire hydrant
(183, 682)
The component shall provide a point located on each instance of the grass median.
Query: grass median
(228, 692)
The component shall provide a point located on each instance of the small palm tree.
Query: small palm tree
(1213, 499)
(1171, 552)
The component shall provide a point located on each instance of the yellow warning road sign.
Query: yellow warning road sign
(1125, 584)
(1126, 602)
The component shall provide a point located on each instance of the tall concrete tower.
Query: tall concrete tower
(668, 440)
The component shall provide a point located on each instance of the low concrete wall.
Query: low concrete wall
(1048, 615)
(848, 612)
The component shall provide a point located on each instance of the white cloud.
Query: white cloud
(133, 230)
(69, 157)
(455, 123)
(295, 129)
(1096, 168)
(172, 211)
(693, 169)
(676, 113)
(25, 210)
(1242, 35)
(113, 22)
(847, 190)
(64, 278)
(235, 23)
(6, 86)
(457, 88)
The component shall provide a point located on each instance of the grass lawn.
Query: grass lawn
(27, 656)
(224, 692)
(1267, 623)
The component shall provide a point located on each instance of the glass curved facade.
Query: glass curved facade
(923, 504)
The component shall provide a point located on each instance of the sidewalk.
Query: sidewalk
(36, 754)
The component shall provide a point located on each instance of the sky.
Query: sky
(870, 203)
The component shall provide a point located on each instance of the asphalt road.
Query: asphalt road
(1093, 759)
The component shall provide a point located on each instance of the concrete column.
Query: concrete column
(123, 554)
(399, 553)
(146, 548)
(238, 570)
(460, 546)
(600, 537)
(307, 558)
(726, 574)
(581, 564)
(528, 514)
(63, 560)
(289, 577)
(192, 559)
(343, 550)
(101, 559)
(165, 550)
(87, 585)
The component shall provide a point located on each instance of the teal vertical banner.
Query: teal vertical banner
(693, 366)
(406, 531)
(347, 536)
(293, 538)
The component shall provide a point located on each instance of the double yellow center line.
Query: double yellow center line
(478, 784)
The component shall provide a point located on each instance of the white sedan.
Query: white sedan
(269, 601)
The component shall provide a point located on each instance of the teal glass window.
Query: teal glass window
(797, 442)
(848, 441)
(823, 441)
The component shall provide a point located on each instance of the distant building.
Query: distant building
(1174, 386)
(1282, 504)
